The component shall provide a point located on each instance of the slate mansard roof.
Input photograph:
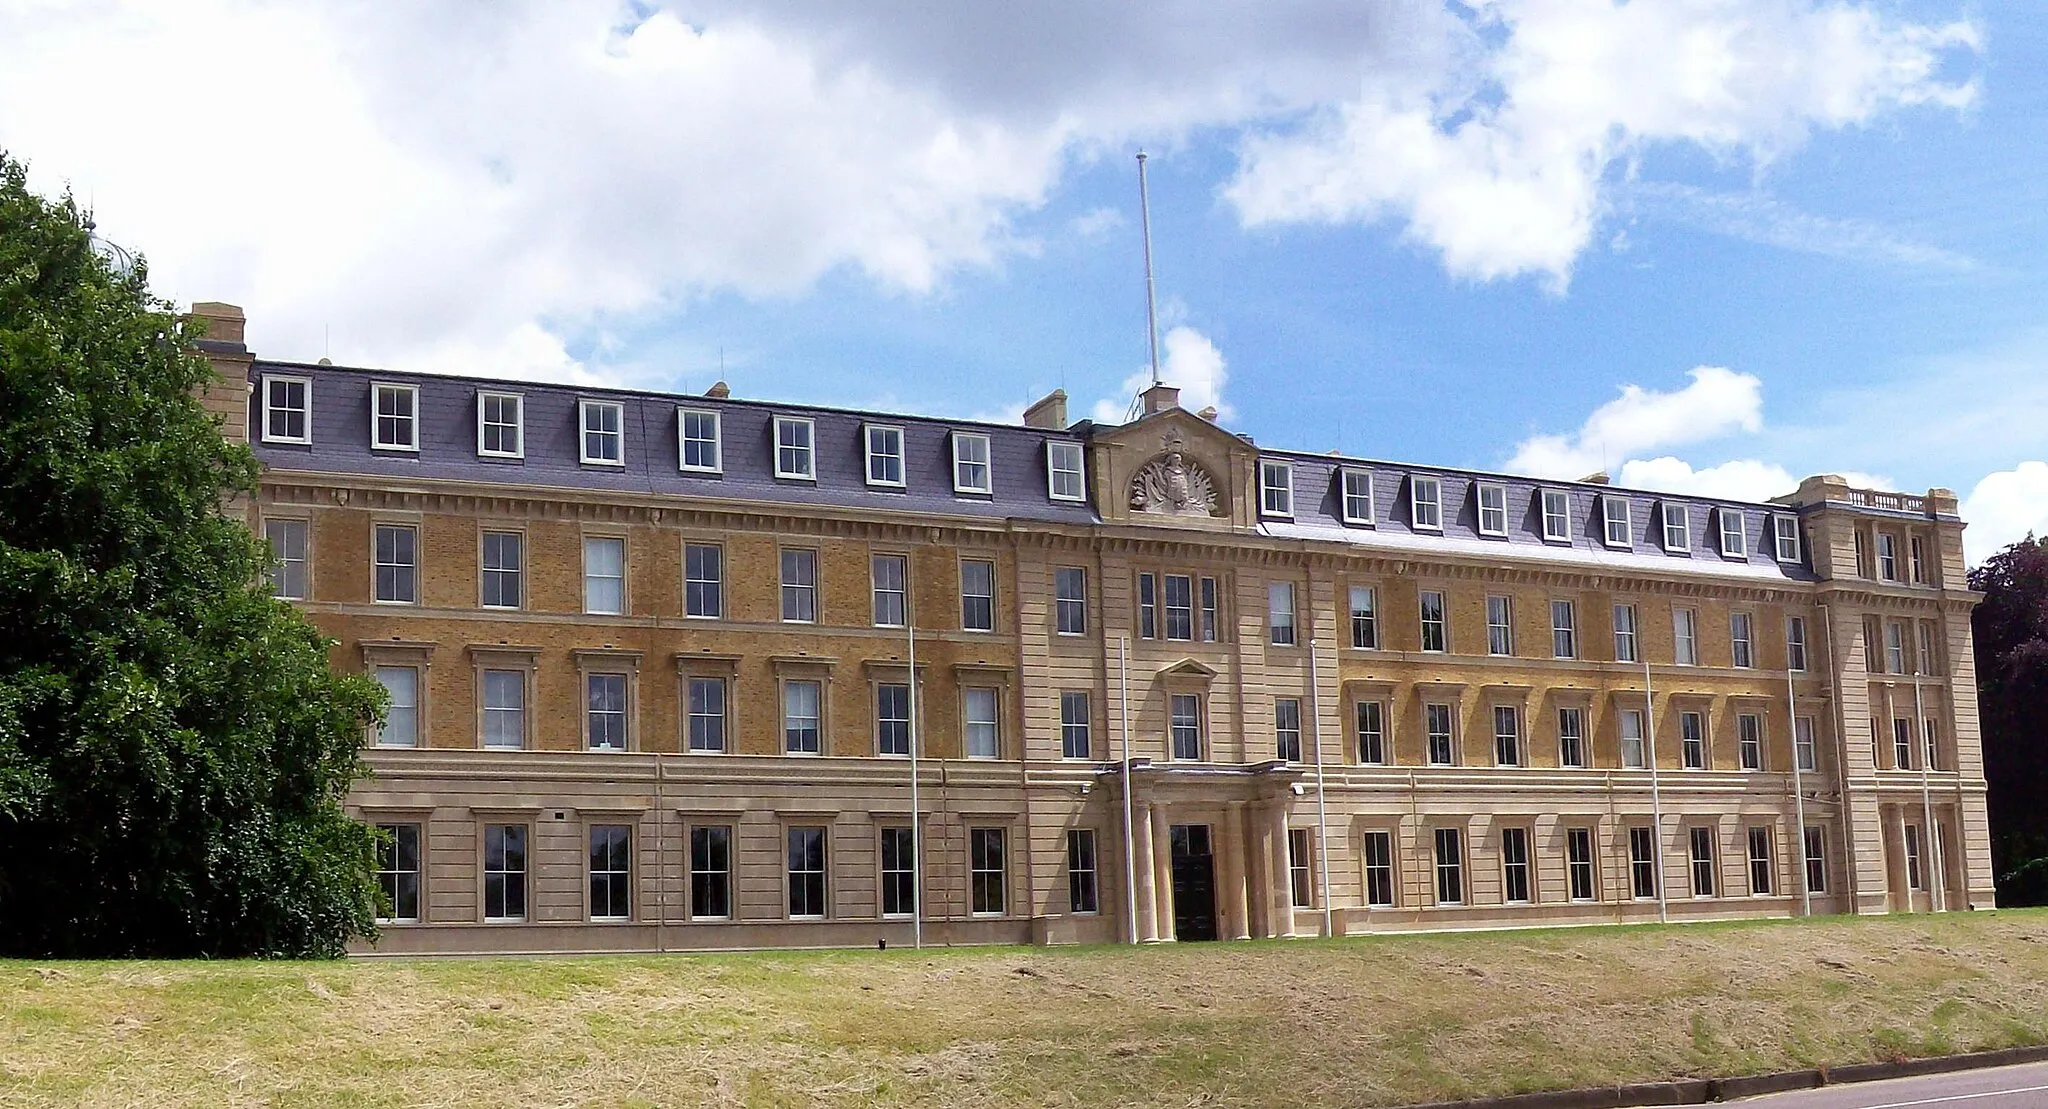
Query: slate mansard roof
(448, 441)
(448, 447)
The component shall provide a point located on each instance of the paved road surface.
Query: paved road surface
(2021, 1087)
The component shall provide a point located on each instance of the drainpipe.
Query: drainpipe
(916, 840)
(1938, 891)
(1798, 790)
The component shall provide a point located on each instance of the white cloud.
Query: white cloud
(1758, 218)
(2004, 508)
(1741, 480)
(1096, 221)
(1715, 404)
(1188, 361)
(1503, 165)
(485, 187)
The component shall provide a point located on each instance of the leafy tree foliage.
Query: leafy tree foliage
(2011, 629)
(173, 745)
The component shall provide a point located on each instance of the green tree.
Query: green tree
(2011, 631)
(174, 748)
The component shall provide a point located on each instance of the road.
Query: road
(2021, 1087)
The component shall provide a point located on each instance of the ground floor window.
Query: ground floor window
(1642, 863)
(505, 872)
(711, 872)
(1379, 869)
(1514, 864)
(1816, 859)
(398, 871)
(986, 870)
(1300, 861)
(1578, 848)
(1081, 870)
(611, 872)
(807, 872)
(1450, 867)
(1701, 844)
(1760, 862)
(899, 872)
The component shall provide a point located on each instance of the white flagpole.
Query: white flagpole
(1798, 784)
(1322, 810)
(1656, 797)
(1938, 890)
(1130, 841)
(916, 839)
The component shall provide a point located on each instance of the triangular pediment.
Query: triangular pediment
(1176, 469)
(1189, 668)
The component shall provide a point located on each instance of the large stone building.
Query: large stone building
(650, 659)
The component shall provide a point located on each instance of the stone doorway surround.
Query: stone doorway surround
(1246, 809)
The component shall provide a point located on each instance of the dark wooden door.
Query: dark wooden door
(1194, 883)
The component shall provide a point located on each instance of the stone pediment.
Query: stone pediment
(1174, 469)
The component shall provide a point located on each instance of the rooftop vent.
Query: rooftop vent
(1598, 477)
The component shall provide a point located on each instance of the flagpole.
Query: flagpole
(1938, 891)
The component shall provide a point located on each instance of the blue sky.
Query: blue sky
(1445, 233)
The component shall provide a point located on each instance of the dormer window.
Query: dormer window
(1357, 491)
(1677, 528)
(1276, 488)
(793, 455)
(604, 436)
(1493, 510)
(1734, 536)
(1557, 516)
(395, 417)
(1785, 527)
(500, 425)
(885, 455)
(699, 446)
(1425, 503)
(1065, 472)
(1614, 520)
(287, 409)
(971, 469)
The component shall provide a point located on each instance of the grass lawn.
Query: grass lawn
(1354, 1021)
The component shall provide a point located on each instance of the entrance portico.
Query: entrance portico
(1209, 848)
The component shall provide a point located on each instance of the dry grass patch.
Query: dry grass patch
(1359, 1021)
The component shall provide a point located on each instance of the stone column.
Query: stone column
(1141, 871)
(1278, 889)
(1236, 910)
(1162, 872)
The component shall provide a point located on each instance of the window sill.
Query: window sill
(616, 465)
(392, 448)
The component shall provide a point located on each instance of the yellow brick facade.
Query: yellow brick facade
(1321, 842)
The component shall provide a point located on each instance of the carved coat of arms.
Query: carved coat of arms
(1171, 486)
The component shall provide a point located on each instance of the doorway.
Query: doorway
(1194, 883)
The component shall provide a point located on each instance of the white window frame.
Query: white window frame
(1805, 750)
(1345, 478)
(869, 455)
(809, 448)
(1666, 511)
(584, 407)
(1416, 501)
(1565, 634)
(1785, 532)
(412, 709)
(287, 379)
(1742, 640)
(1053, 470)
(1608, 519)
(993, 725)
(1561, 535)
(280, 572)
(1739, 533)
(483, 399)
(986, 462)
(378, 391)
(1632, 750)
(1691, 639)
(1282, 627)
(1276, 488)
(590, 607)
(683, 415)
(1480, 493)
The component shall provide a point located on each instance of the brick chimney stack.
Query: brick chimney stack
(222, 344)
